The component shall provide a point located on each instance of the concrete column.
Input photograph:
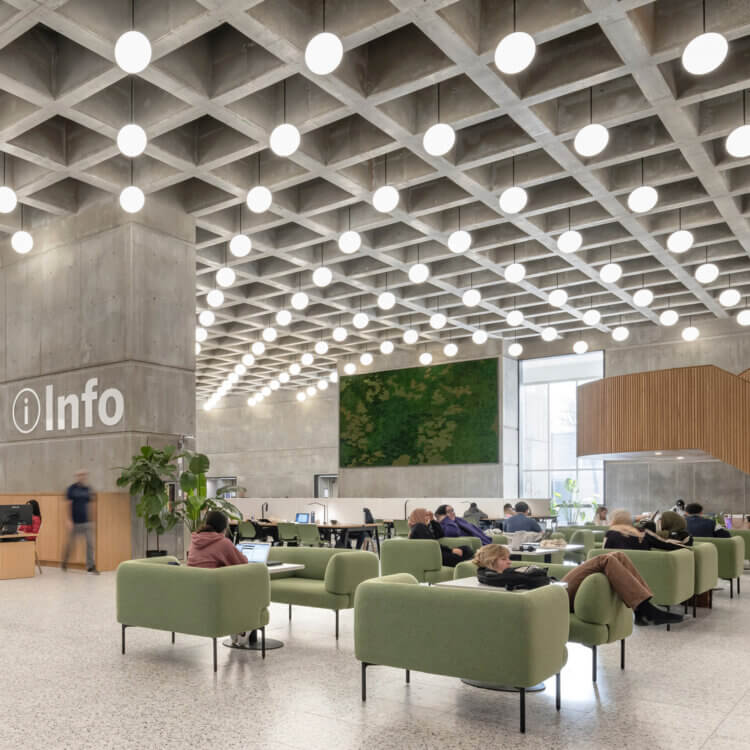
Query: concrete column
(97, 325)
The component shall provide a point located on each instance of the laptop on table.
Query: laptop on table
(257, 552)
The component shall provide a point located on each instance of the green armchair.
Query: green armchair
(744, 534)
(511, 638)
(328, 581)
(706, 558)
(246, 530)
(461, 541)
(731, 552)
(584, 537)
(420, 558)
(212, 603)
(400, 528)
(288, 533)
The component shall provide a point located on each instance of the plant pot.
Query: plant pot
(156, 553)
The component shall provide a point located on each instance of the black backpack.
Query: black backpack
(523, 577)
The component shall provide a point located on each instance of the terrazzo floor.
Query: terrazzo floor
(64, 684)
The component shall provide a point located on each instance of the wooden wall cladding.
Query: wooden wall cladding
(699, 408)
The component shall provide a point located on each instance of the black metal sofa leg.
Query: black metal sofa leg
(522, 696)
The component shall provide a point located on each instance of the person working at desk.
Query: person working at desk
(36, 521)
(521, 520)
(494, 559)
(452, 526)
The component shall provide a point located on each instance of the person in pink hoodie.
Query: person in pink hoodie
(210, 547)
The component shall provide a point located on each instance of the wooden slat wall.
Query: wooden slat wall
(699, 408)
(111, 513)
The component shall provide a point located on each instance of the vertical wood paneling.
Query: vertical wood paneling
(688, 408)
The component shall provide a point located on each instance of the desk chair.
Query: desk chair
(309, 535)
(246, 530)
(288, 533)
(400, 528)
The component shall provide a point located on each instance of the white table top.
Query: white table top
(473, 583)
(284, 568)
(541, 551)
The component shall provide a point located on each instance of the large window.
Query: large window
(548, 428)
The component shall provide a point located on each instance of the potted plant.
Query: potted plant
(146, 479)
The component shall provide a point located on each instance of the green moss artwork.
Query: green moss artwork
(444, 414)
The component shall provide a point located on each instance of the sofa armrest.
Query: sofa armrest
(461, 541)
(346, 570)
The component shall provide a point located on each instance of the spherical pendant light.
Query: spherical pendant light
(275, 385)
(248, 360)
(642, 199)
(251, 401)
(225, 276)
(294, 369)
(438, 321)
(350, 241)
(707, 273)
(610, 273)
(240, 369)
(450, 349)
(643, 298)
(259, 199)
(386, 347)
(680, 241)
(385, 199)
(591, 140)
(215, 298)
(704, 53)
(669, 317)
(307, 359)
(321, 348)
(515, 272)
(439, 139)
(284, 377)
(208, 405)
(471, 297)
(334, 377)
(240, 245)
(419, 273)
(360, 320)
(729, 298)
(386, 300)
(425, 358)
(580, 347)
(206, 318)
(133, 52)
(620, 333)
(300, 300)
(411, 336)
(366, 359)
(283, 317)
(201, 334)
(743, 317)
(22, 242)
(515, 52)
(592, 317)
(301, 395)
(322, 385)
(738, 142)
(197, 348)
(131, 140)
(322, 276)
(515, 349)
(132, 199)
(479, 336)
(258, 348)
(459, 241)
(284, 140)
(269, 334)
(514, 318)
(690, 333)
(323, 53)
(8, 199)
(569, 241)
(557, 297)
(339, 334)
(549, 333)
(513, 200)
(350, 368)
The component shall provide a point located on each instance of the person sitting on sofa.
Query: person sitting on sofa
(521, 521)
(623, 535)
(422, 527)
(600, 519)
(494, 559)
(452, 526)
(699, 525)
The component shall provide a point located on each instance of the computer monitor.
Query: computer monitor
(11, 516)
(302, 518)
(255, 552)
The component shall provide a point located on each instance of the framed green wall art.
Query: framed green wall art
(442, 414)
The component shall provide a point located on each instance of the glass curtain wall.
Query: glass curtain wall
(548, 463)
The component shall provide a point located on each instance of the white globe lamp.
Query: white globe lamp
(248, 360)
(557, 297)
(349, 242)
(360, 320)
(258, 348)
(680, 241)
(459, 241)
(515, 273)
(321, 348)
(580, 347)
(669, 317)
(569, 241)
(592, 317)
(386, 347)
(514, 318)
(438, 321)
(738, 142)
(450, 349)
(704, 53)
(131, 140)
(8, 199)
(706, 273)
(240, 245)
(643, 298)
(206, 318)
(133, 52)
(323, 53)
(513, 200)
(690, 333)
(549, 333)
(471, 297)
(283, 317)
(259, 199)
(642, 199)
(729, 298)
(294, 369)
(419, 273)
(366, 359)
(439, 139)
(515, 349)
(22, 242)
(269, 334)
(350, 368)
(215, 298)
(479, 336)
(610, 273)
(307, 359)
(515, 52)
(620, 333)
(411, 336)
(225, 276)
(386, 300)
(339, 334)
(300, 300)
(201, 334)
(743, 317)
(591, 140)
(132, 199)
(425, 358)
(385, 199)
(322, 276)
(284, 140)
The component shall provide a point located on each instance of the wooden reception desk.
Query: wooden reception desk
(16, 557)
(110, 512)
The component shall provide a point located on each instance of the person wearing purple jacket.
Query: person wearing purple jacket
(453, 526)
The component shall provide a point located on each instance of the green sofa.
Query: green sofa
(151, 593)
(706, 558)
(329, 579)
(599, 616)
(516, 639)
(731, 552)
(420, 558)
(744, 534)
(586, 538)
(461, 541)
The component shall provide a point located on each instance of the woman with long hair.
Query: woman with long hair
(623, 535)
(36, 521)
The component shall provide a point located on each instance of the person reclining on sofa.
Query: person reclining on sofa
(623, 535)
(494, 559)
(422, 526)
(452, 526)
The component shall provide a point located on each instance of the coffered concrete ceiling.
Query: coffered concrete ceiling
(214, 91)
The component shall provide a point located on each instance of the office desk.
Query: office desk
(544, 552)
(342, 530)
(17, 558)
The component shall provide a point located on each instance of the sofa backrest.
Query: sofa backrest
(413, 556)
(315, 559)
(347, 570)
(731, 554)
